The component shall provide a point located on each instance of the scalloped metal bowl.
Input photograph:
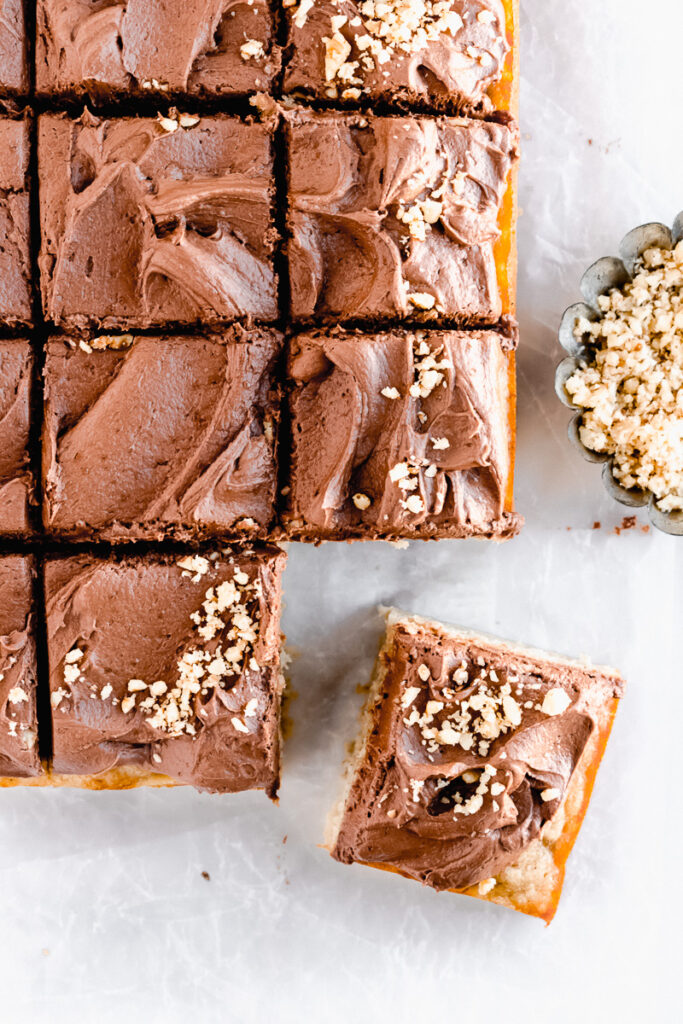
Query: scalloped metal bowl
(607, 273)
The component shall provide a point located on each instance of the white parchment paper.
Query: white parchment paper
(106, 916)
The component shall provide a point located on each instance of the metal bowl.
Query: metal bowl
(607, 273)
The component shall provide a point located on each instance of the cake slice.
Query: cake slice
(18, 673)
(154, 48)
(475, 764)
(152, 437)
(452, 55)
(16, 289)
(16, 478)
(400, 435)
(166, 669)
(14, 71)
(406, 218)
(148, 222)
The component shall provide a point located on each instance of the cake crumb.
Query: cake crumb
(627, 523)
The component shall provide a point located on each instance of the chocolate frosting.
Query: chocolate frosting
(18, 718)
(118, 629)
(380, 420)
(168, 435)
(16, 485)
(449, 816)
(145, 224)
(164, 46)
(456, 68)
(356, 183)
(15, 268)
(13, 64)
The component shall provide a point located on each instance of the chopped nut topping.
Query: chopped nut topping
(390, 28)
(441, 443)
(169, 124)
(194, 566)
(489, 712)
(113, 341)
(71, 673)
(423, 300)
(428, 369)
(487, 884)
(58, 696)
(187, 120)
(239, 725)
(337, 50)
(423, 672)
(413, 504)
(632, 387)
(550, 794)
(230, 609)
(416, 787)
(154, 83)
(361, 501)
(252, 50)
(302, 11)
(17, 695)
(409, 696)
(392, 393)
(174, 120)
(555, 702)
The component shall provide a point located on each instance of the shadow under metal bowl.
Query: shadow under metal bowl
(604, 275)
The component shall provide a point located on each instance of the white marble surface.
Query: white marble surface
(105, 913)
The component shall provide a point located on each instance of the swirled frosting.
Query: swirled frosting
(401, 434)
(144, 223)
(102, 47)
(18, 716)
(15, 261)
(165, 435)
(448, 54)
(168, 665)
(16, 484)
(471, 747)
(395, 216)
(13, 63)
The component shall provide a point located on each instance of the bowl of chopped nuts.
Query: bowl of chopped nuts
(623, 374)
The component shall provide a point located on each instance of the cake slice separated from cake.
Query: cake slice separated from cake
(475, 763)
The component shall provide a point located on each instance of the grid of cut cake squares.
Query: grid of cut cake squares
(147, 244)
